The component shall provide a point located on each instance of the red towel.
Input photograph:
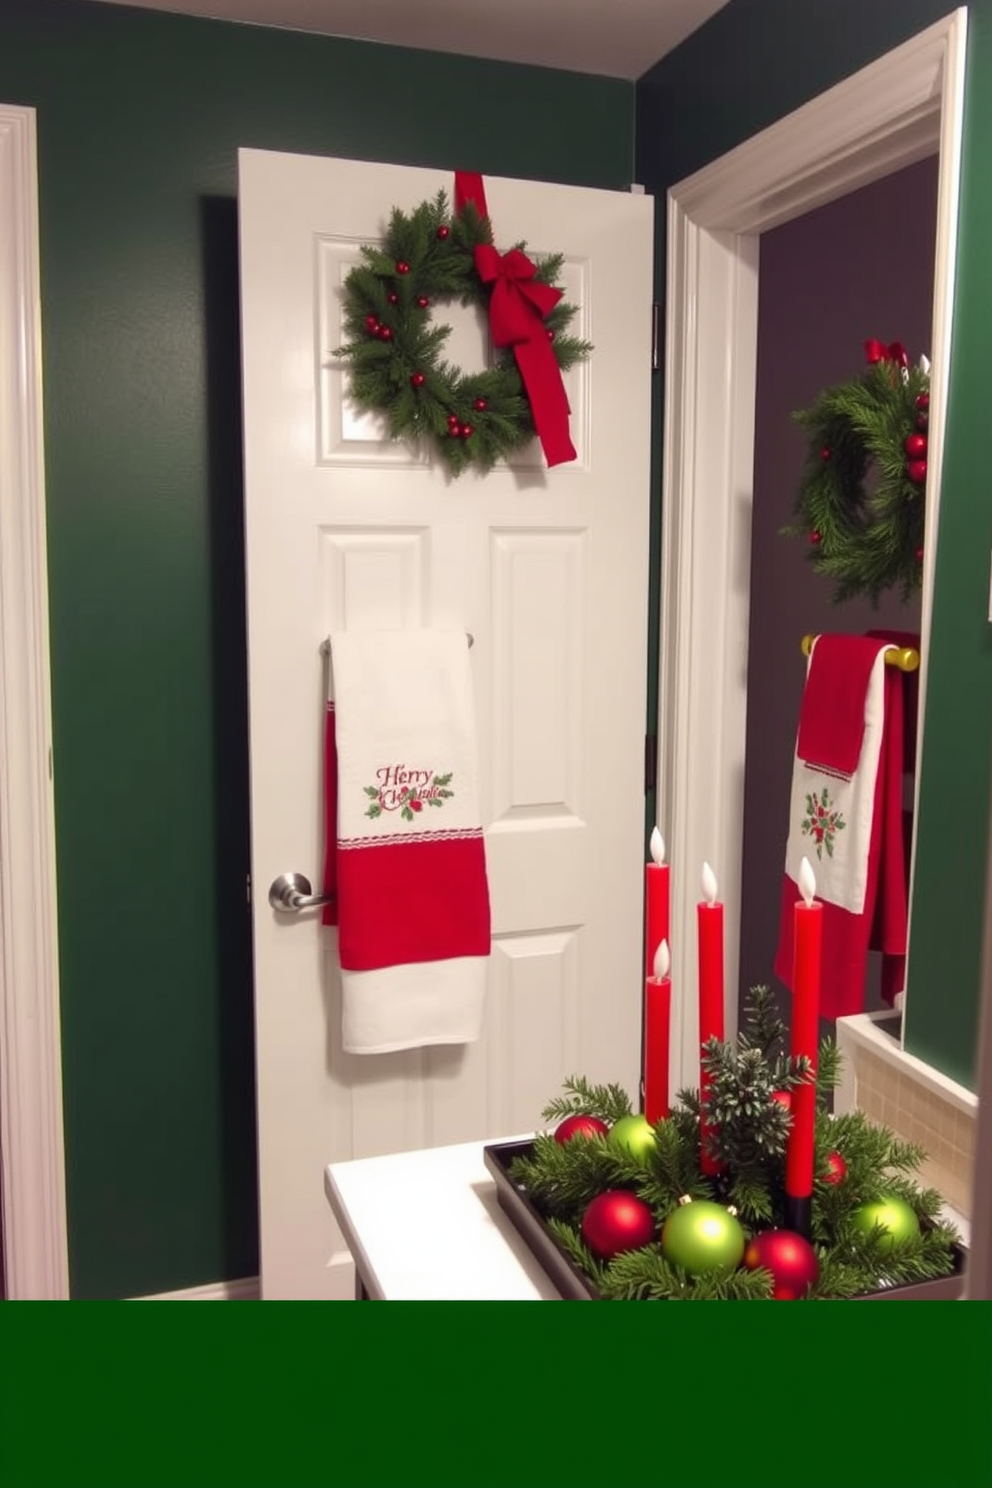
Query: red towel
(849, 822)
(404, 851)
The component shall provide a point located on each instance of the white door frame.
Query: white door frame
(905, 106)
(31, 1141)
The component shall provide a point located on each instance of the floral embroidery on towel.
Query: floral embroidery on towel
(822, 822)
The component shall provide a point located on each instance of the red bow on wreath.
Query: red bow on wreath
(517, 309)
(877, 351)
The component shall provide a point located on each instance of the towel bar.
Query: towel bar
(906, 658)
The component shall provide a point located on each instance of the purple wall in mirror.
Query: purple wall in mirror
(860, 267)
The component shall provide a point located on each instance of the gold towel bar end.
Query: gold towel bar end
(906, 658)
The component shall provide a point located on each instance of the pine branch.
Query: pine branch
(762, 1028)
(609, 1102)
(829, 1068)
(570, 1240)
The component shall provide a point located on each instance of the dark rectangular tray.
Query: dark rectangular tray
(575, 1286)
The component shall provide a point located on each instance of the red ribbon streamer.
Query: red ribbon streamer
(469, 187)
(517, 309)
(877, 351)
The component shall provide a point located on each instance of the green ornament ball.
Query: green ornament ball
(702, 1236)
(635, 1135)
(894, 1214)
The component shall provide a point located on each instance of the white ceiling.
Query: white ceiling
(614, 38)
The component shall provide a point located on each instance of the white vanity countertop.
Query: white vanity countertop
(427, 1226)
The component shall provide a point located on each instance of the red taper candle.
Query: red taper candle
(657, 902)
(709, 914)
(804, 1040)
(657, 1036)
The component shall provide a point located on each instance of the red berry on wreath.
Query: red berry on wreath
(444, 232)
(919, 555)
(580, 1126)
(454, 423)
(402, 267)
(836, 1169)
(915, 446)
(551, 335)
(480, 405)
(826, 452)
(422, 302)
(393, 297)
(815, 538)
(466, 431)
(385, 333)
(372, 324)
(923, 400)
(917, 471)
(417, 379)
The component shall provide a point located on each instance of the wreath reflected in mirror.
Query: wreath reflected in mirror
(861, 502)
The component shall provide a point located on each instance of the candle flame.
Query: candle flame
(709, 884)
(657, 848)
(807, 881)
(662, 961)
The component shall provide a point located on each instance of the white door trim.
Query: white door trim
(33, 1180)
(903, 107)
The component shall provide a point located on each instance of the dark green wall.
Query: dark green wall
(754, 62)
(139, 120)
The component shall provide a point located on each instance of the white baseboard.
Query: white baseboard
(245, 1290)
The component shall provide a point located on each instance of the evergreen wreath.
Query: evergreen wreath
(861, 496)
(750, 1129)
(395, 350)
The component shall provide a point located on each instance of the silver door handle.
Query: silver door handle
(292, 891)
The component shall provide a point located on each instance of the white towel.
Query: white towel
(404, 846)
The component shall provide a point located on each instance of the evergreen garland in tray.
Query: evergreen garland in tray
(858, 1163)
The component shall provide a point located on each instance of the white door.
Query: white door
(548, 571)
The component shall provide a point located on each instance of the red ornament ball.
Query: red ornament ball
(826, 452)
(444, 232)
(466, 431)
(417, 379)
(783, 1097)
(836, 1169)
(372, 324)
(923, 400)
(422, 302)
(480, 404)
(393, 297)
(922, 420)
(580, 1126)
(402, 267)
(616, 1221)
(551, 335)
(916, 446)
(919, 555)
(815, 538)
(917, 471)
(790, 1259)
(385, 333)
